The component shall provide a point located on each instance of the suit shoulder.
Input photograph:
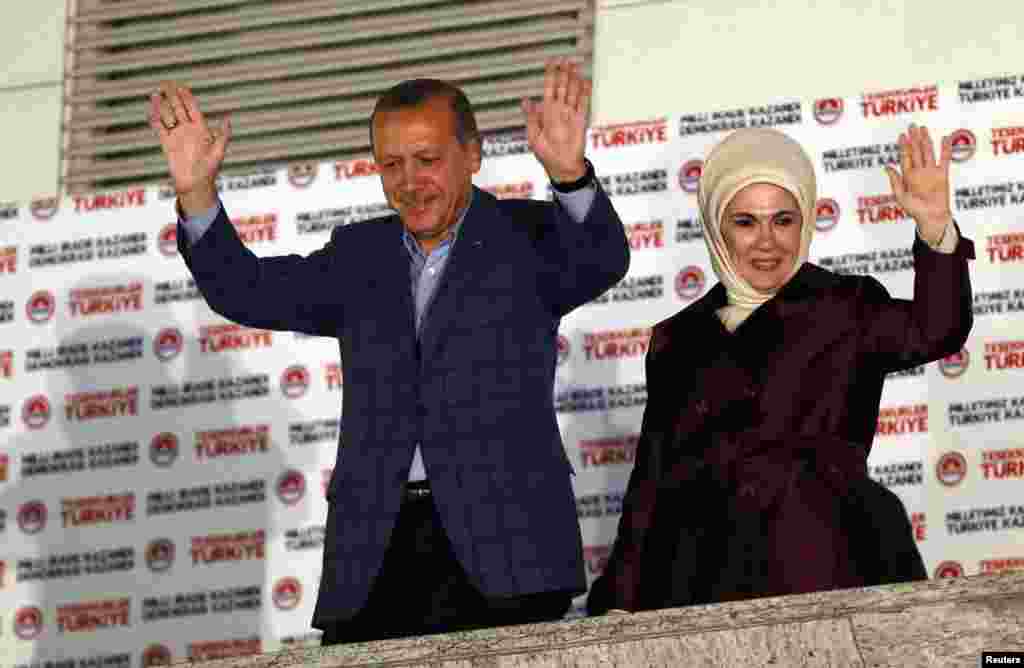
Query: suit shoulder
(857, 286)
(841, 284)
(525, 210)
(849, 291)
(366, 231)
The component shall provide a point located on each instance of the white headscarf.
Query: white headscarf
(752, 155)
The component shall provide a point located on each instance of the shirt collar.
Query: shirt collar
(410, 240)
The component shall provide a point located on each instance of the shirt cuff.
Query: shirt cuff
(577, 203)
(947, 242)
(196, 226)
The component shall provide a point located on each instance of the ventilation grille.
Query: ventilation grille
(297, 77)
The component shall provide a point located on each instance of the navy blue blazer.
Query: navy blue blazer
(477, 393)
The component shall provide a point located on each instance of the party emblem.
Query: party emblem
(964, 145)
(689, 175)
(28, 622)
(828, 110)
(168, 343)
(826, 214)
(287, 593)
(689, 282)
(956, 364)
(295, 381)
(951, 469)
(40, 307)
(291, 486)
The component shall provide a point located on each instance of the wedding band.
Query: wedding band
(173, 124)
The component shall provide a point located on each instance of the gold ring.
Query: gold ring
(173, 124)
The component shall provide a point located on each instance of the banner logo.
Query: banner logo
(28, 622)
(32, 517)
(690, 282)
(35, 412)
(949, 569)
(301, 174)
(291, 487)
(168, 343)
(354, 169)
(160, 555)
(826, 213)
(596, 558)
(40, 307)
(828, 110)
(964, 145)
(287, 593)
(156, 655)
(689, 175)
(295, 381)
(167, 240)
(630, 134)
(951, 469)
(563, 350)
(44, 208)
(956, 364)
(163, 449)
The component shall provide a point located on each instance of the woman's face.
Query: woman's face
(761, 229)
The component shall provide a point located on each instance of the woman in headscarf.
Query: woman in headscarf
(763, 396)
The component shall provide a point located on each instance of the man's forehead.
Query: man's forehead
(414, 125)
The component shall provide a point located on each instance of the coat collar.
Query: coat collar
(809, 281)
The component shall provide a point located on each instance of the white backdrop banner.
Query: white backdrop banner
(162, 470)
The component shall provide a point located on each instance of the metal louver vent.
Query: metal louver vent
(298, 77)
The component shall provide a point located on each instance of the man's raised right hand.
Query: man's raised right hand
(193, 149)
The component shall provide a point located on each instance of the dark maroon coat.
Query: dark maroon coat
(750, 477)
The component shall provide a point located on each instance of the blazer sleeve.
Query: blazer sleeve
(287, 292)
(620, 586)
(901, 333)
(580, 260)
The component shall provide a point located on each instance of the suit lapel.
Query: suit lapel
(392, 283)
(468, 264)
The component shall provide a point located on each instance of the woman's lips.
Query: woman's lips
(766, 265)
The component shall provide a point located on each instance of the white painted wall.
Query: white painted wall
(672, 56)
(652, 57)
(31, 53)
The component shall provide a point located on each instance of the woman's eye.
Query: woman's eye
(784, 220)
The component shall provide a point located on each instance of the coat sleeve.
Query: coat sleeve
(620, 586)
(580, 260)
(287, 292)
(900, 333)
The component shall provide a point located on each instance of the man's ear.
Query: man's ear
(476, 153)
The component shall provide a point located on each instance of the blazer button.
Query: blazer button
(751, 392)
(746, 490)
(702, 407)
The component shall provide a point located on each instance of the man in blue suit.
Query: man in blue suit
(451, 505)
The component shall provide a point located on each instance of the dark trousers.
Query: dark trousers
(422, 589)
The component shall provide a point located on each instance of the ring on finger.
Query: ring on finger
(170, 126)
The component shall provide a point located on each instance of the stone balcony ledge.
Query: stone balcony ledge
(947, 622)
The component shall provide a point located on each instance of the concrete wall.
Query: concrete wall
(673, 56)
(653, 57)
(32, 53)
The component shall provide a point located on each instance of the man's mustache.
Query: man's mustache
(412, 199)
